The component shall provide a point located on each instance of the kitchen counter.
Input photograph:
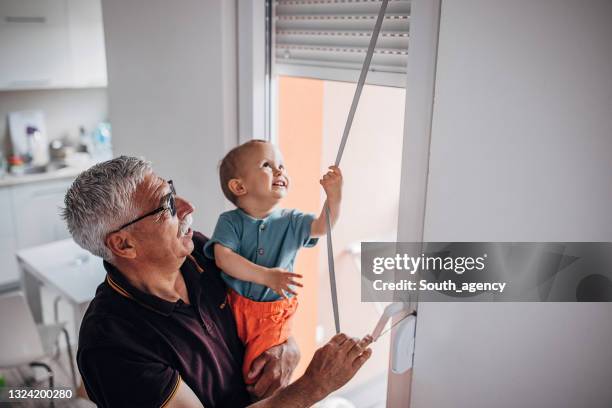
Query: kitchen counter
(66, 172)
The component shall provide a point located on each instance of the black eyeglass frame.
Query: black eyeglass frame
(169, 204)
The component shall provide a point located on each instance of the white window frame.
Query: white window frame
(420, 91)
(254, 111)
(257, 107)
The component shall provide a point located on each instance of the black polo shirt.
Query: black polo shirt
(136, 348)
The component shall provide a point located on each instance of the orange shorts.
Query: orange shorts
(261, 325)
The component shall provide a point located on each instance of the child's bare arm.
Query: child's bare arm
(332, 184)
(237, 266)
(241, 268)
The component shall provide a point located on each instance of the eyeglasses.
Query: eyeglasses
(169, 204)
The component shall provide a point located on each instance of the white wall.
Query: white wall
(520, 151)
(172, 91)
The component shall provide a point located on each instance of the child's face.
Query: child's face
(264, 175)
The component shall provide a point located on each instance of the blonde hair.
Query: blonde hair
(230, 166)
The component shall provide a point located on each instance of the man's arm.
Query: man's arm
(184, 398)
(119, 377)
(332, 366)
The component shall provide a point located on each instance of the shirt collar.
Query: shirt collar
(117, 281)
(274, 214)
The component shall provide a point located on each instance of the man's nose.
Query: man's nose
(277, 171)
(183, 207)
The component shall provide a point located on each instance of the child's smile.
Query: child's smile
(264, 178)
(280, 182)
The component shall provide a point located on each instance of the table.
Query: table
(64, 267)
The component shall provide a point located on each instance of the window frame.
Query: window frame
(258, 104)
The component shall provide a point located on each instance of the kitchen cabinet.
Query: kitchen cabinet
(8, 245)
(34, 44)
(49, 44)
(86, 34)
(37, 212)
(30, 216)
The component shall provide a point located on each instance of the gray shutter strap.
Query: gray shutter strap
(347, 129)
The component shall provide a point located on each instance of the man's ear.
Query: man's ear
(121, 244)
(237, 187)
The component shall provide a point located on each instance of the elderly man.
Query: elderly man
(158, 332)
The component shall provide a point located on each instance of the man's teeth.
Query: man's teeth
(280, 184)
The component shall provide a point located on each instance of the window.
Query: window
(311, 118)
(314, 51)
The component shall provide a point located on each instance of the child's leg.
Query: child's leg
(261, 325)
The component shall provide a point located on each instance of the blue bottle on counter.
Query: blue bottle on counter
(3, 165)
(102, 147)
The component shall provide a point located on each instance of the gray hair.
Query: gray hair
(101, 199)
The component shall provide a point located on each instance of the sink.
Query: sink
(45, 169)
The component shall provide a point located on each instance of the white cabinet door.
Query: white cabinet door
(8, 263)
(37, 212)
(34, 44)
(87, 42)
(51, 44)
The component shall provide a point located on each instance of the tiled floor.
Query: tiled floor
(61, 370)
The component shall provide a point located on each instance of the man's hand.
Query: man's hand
(273, 368)
(334, 364)
(332, 184)
(280, 281)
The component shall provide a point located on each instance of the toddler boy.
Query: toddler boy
(256, 244)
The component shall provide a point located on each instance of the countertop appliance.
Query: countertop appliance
(29, 136)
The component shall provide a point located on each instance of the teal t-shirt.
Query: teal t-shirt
(272, 242)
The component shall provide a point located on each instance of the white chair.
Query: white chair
(23, 342)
